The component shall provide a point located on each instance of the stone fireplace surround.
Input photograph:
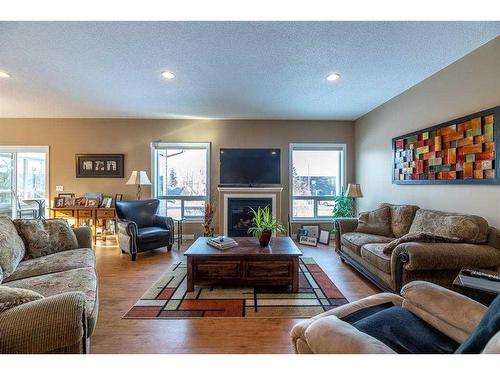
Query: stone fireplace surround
(225, 193)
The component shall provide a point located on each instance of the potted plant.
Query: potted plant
(342, 207)
(264, 225)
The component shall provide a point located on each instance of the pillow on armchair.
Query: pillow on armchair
(44, 237)
(375, 222)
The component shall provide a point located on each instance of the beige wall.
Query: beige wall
(467, 86)
(67, 137)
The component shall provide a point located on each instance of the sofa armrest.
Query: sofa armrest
(330, 335)
(52, 324)
(166, 223)
(298, 331)
(84, 236)
(451, 313)
(444, 256)
(344, 225)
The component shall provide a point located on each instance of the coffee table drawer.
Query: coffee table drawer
(271, 269)
(217, 270)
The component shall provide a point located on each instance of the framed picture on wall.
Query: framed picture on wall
(99, 165)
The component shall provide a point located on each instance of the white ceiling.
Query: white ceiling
(249, 70)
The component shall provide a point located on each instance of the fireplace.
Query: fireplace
(239, 216)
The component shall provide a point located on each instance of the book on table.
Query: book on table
(222, 242)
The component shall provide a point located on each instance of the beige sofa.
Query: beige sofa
(64, 320)
(450, 313)
(436, 262)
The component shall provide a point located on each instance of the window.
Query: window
(181, 178)
(23, 175)
(317, 174)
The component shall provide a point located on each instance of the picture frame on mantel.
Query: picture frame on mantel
(463, 151)
(99, 165)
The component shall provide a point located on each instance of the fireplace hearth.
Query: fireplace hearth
(240, 216)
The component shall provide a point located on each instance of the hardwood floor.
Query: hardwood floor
(122, 282)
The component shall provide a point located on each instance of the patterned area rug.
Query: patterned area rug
(168, 299)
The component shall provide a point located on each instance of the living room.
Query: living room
(249, 187)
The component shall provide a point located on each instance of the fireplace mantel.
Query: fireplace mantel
(274, 189)
(225, 193)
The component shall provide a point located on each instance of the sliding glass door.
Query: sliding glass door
(23, 181)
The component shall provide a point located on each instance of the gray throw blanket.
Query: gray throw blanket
(419, 237)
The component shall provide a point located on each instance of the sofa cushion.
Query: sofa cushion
(12, 297)
(354, 240)
(77, 280)
(12, 248)
(63, 261)
(375, 222)
(469, 228)
(374, 254)
(401, 217)
(44, 237)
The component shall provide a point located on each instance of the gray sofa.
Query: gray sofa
(437, 262)
(64, 320)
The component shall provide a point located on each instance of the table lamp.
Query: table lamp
(139, 178)
(354, 191)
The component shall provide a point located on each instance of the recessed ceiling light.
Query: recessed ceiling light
(333, 77)
(4, 74)
(168, 75)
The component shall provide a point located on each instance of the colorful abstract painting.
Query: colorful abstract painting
(459, 151)
(168, 298)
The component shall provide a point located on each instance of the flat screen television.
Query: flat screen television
(250, 166)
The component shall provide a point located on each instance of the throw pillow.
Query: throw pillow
(375, 222)
(401, 217)
(44, 237)
(468, 228)
(419, 237)
(12, 297)
(12, 248)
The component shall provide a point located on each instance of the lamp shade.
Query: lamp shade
(354, 191)
(139, 178)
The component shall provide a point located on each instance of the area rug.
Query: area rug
(168, 298)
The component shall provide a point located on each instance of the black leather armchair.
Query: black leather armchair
(141, 229)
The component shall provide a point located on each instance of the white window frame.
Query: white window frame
(312, 147)
(186, 145)
(27, 149)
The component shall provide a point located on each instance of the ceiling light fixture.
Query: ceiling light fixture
(333, 77)
(4, 74)
(168, 75)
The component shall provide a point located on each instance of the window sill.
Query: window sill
(312, 220)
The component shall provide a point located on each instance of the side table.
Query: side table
(480, 289)
(180, 223)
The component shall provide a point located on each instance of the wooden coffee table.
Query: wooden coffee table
(248, 264)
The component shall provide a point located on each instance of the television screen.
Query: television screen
(250, 166)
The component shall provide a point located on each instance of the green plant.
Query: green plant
(263, 221)
(342, 206)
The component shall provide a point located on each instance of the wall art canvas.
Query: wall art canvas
(461, 151)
